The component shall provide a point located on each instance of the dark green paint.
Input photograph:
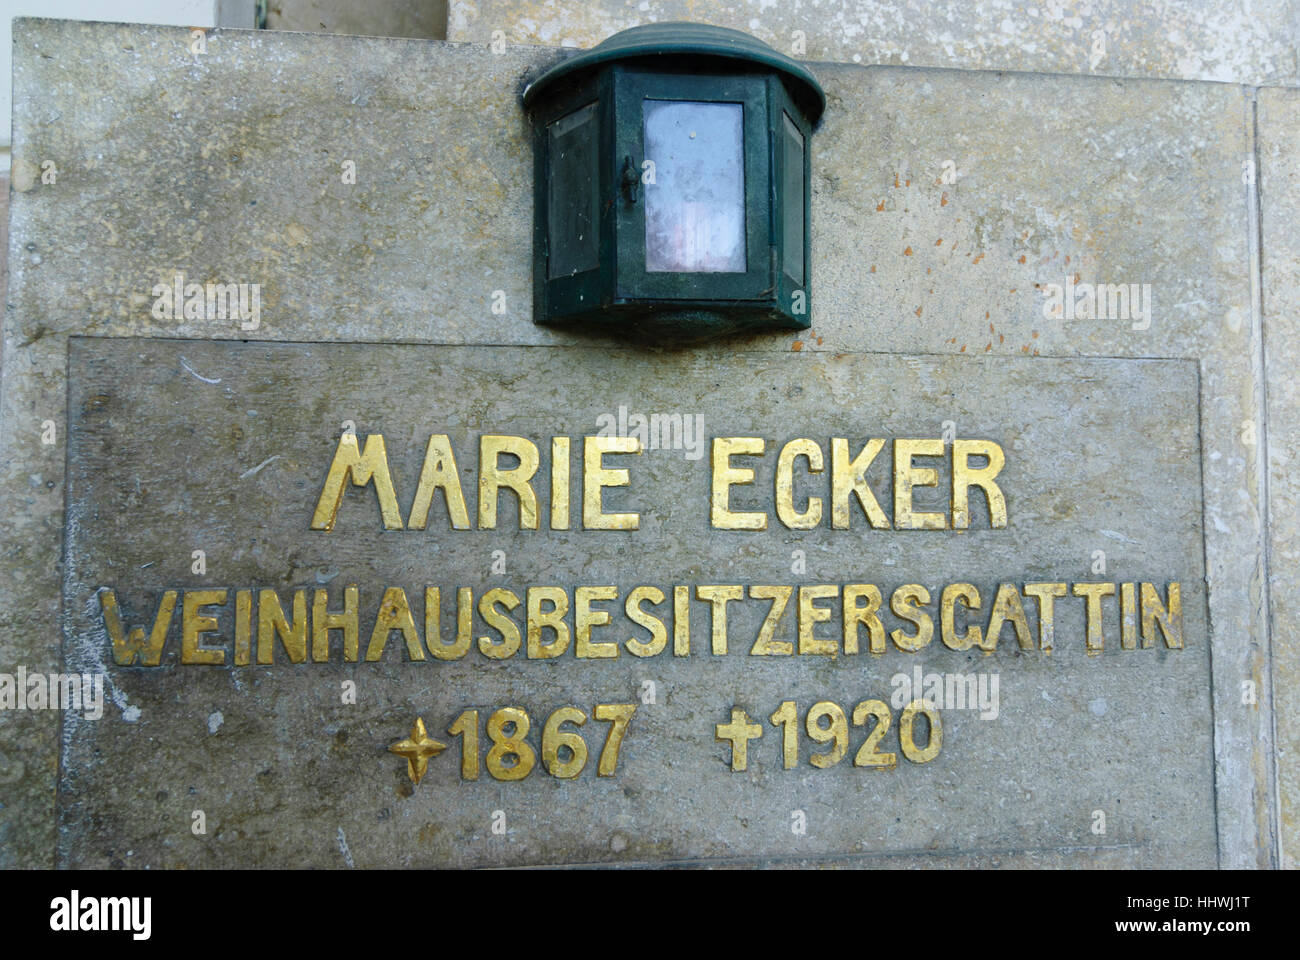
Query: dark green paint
(614, 293)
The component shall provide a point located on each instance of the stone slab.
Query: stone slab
(1279, 126)
(1110, 180)
(1235, 41)
(165, 437)
(377, 18)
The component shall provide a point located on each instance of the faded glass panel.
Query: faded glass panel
(571, 199)
(695, 209)
(792, 198)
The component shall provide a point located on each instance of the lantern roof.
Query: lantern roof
(676, 39)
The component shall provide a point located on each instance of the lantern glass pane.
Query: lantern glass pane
(571, 199)
(695, 206)
(792, 198)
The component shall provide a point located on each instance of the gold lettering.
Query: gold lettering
(658, 632)
(322, 622)
(128, 647)
(539, 619)
(194, 626)
(681, 621)
(361, 468)
(395, 614)
(907, 477)
(970, 597)
(1094, 592)
(596, 476)
(811, 614)
(243, 627)
(559, 483)
(725, 476)
(1046, 594)
(553, 737)
(433, 623)
(786, 717)
(719, 596)
(1128, 616)
(271, 623)
(905, 603)
(765, 646)
(508, 645)
(848, 477)
(585, 618)
(439, 472)
(1168, 617)
(492, 477)
(506, 746)
(856, 614)
(618, 716)
(785, 510)
(907, 728)
(1007, 606)
(964, 476)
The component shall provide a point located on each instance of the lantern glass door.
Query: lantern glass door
(696, 226)
(695, 199)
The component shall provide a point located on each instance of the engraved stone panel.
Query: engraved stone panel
(224, 447)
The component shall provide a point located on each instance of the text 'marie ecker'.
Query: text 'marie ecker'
(734, 461)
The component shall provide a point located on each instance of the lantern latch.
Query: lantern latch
(630, 179)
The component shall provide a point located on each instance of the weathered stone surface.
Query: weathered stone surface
(1237, 41)
(164, 439)
(1279, 127)
(228, 168)
(4, 233)
(376, 18)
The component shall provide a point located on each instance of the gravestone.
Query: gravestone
(652, 613)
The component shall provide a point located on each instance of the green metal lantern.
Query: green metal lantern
(672, 185)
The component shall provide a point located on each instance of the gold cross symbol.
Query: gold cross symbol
(418, 749)
(740, 731)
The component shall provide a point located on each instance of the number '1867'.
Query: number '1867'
(564, 752)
